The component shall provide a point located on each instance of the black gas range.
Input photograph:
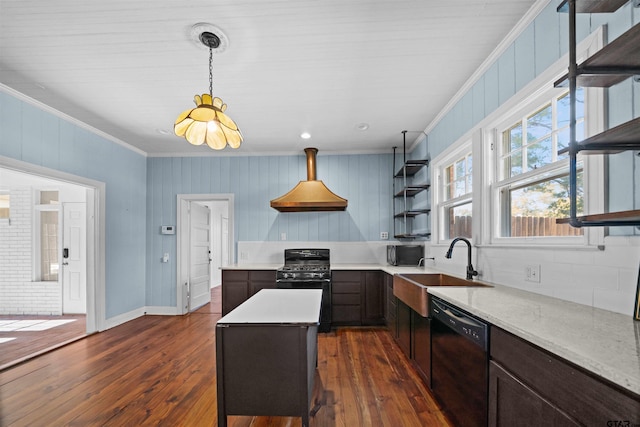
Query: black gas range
(308, 269)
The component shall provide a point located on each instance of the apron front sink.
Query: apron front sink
(411, 289)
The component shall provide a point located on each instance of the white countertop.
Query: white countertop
(278, 306)
(603, 342)
(352, 266)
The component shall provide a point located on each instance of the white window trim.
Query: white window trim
(536, 92)
(455, 151)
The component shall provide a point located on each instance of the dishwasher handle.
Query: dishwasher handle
(462, 323)
(460, 317)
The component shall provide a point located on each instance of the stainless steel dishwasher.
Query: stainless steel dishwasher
(459, 363)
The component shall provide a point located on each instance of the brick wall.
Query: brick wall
(18, 293)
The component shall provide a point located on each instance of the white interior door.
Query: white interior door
(199, 250)
(74, 260)
(224, 241)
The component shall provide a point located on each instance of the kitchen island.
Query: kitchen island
(266, 355)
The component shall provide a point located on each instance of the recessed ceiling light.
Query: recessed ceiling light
(362, 126)
(305, 135)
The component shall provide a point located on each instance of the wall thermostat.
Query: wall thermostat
(168, 229)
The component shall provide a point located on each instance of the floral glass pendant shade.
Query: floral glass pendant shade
(208, 122)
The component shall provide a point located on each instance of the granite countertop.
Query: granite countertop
(603, 342)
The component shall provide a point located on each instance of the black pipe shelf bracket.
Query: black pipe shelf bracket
(404, 190)
(613, 64)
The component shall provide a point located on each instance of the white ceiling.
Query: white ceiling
(128, 67)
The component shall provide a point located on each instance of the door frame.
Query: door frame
(182, 241)
(96, 231)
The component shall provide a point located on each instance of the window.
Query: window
(48, 236)
(455, 195)
(533, 179)
(5, 204)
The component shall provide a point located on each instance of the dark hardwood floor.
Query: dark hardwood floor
(160, 370)
(28, 344)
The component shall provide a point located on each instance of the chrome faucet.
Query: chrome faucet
(470, 271)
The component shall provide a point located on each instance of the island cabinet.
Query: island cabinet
(267, 354)
(357, 298)
(240, 285)
(530, 387)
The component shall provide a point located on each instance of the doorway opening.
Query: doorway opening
(205, 242)
(51, 259)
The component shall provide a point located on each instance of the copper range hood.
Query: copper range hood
(310, 195)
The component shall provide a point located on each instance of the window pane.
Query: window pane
(564, 108)
(514, 165)
(540, 154)
(459, 224)
(48, 197)
(539, 125)
(534, 208)
(49, 246)
(460, 169)
(5, 203)
(460, 188)
(457, 177)
(514, 138)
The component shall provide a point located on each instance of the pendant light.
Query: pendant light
(208, 121)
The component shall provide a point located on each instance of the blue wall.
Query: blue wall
(364, 180)
(541, 44)
(32, 135)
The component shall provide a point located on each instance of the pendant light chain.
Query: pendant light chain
(211, 71)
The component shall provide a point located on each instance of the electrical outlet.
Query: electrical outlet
(384, 235)
(532, 273)
(244, 256)
(283, 236)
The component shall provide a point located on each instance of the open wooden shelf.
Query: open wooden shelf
(612, 64)
(412, 213)
(412, 167)
(412, 190)
(620, 218)
(593, 6)
(620, 138)
(412, 236)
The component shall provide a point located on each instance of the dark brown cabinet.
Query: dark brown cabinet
(390, 309)
(239, 285)
(421, 345)
(414, 339)
(345, 298)
(530, 387)
(372, 298)
(403, 327)
(357, 298)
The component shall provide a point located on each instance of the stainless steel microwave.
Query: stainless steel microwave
(404, 254)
